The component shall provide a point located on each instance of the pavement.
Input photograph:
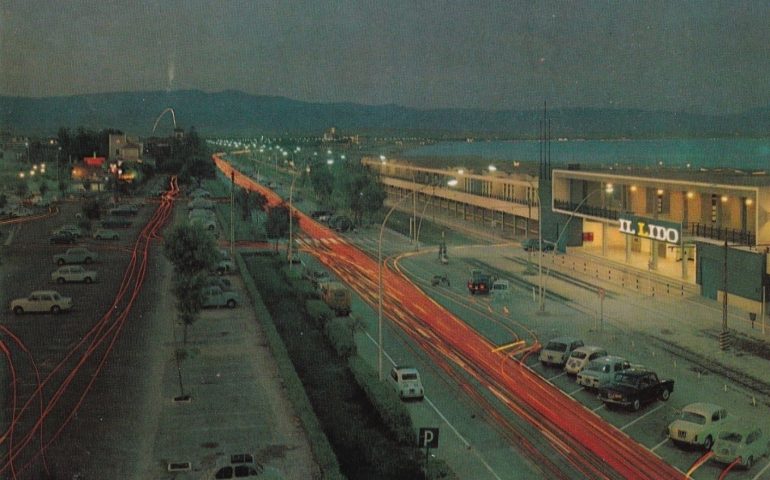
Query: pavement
(225, 399)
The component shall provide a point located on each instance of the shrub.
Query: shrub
(385, 400)
(339, 331)
(318, 311)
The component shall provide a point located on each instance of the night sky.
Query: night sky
(696, 56)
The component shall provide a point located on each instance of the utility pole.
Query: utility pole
(724, 335)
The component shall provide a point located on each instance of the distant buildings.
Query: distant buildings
(331, 136)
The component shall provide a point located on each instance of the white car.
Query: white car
(698, 424)
(406, 381)
(73, 273)
(41, 301)
(580, 357)
(601, 371)
(73, 230)
(557, 350)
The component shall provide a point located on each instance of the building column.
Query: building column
(604, 239)
(628, 249)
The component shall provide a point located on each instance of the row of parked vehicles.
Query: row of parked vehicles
(619, 383)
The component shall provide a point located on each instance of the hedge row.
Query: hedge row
(322, 450)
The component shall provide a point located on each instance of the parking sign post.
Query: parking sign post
(428, 438)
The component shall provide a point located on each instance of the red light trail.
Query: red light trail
(586, 442)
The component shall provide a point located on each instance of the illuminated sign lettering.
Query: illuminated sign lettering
(650, 228)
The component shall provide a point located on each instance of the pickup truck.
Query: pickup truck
(75, 255)
(633, 387)
(480, 282)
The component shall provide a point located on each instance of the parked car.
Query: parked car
(127, 209)
(200, 193)
(116, 222)
(221, 282)
(73, 273)
(41, 301)
(533, 245)
(106, 234)
(698, 424)
(322, 216)
(341, 223)
(200, 203)
(62, 238)
(73, 230)
(406, 381)
(581, 356)
(214, 296)
(557, 350)
(634, 387)
(207, 223)
(75, 255)
(746, 442)
(316, 277)
(601, 371)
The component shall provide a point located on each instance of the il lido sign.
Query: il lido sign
(653, 229)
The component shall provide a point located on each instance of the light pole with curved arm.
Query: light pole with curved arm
(606, 189)
(379, 278)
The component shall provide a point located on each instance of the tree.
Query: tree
(360, 191)
(191, 249)
(188, 290)
(322, 180)
(277, 225)
(22, 189)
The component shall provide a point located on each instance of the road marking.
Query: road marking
(575, 391)
(759, 474)
(441, 415)
(598, 408)
(557, 376)
(639, 418)
(658, 445)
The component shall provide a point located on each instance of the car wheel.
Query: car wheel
(665, 394)
(708, 443)
(55, 309)
(231, 303)
(636, 405)
(87, 280)
(60, 280)
(87, 260)
(18, 310)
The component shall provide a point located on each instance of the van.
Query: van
(406, 381)
(337, 297)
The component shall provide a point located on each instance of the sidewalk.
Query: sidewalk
(237, 403)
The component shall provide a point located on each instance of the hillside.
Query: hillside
(237, 113)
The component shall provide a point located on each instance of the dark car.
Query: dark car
(321, 215)
(634, 387)
(63, 238)
(116, 222)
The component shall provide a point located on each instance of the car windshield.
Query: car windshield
(579, 355)
(693, 417)
(733, 437)
(626, 379)
(556, 346)
(409, 376)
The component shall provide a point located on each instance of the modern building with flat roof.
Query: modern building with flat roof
(705, 228)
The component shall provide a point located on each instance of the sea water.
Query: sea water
(744, 154)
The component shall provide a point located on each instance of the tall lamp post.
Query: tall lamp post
(290, 254)
(379, 279)
(607, 189)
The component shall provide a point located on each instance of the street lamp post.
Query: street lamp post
(541, 282)
(379, 281)
(290, 254)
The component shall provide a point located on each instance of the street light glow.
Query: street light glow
(492, 168)
(452, 183)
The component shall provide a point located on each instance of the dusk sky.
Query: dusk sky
(699, 56)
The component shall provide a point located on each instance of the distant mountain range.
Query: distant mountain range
(239, 114)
